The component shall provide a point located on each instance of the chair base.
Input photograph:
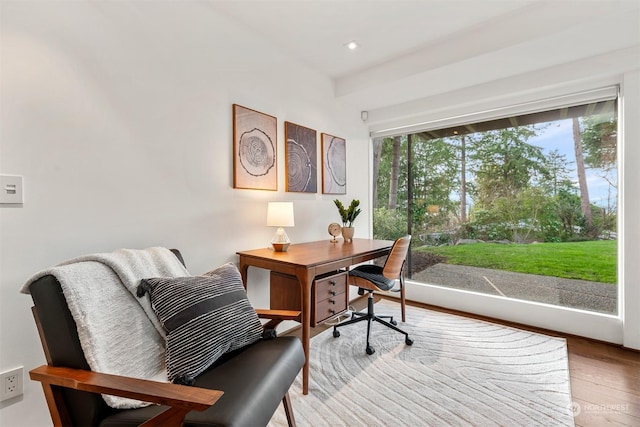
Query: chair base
(370, 317)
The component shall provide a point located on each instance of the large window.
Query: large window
(521, 207)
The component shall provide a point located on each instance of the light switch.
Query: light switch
(11, 189)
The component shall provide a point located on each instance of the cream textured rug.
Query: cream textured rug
(458, 372)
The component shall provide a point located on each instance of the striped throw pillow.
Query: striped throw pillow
(204, 316)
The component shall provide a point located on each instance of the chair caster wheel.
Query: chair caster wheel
(408, 341)
(336, 333)
(370, 350)
(393, 322)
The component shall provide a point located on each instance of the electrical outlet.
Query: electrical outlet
(11, 384)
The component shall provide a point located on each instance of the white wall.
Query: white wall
(118, 115)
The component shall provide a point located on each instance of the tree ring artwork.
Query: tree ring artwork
(334, 165)
(301, 158)
(257, 152)
(254, 149)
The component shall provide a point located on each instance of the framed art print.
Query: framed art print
(301, 158)
(334, 165)
(254, 149)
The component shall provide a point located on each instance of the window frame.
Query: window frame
(605, 327)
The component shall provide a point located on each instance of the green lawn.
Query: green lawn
(594, 261)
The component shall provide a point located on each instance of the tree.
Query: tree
(435, 179)
(395, 170)
(377, 152)
(582, 175)
(434, 170)
(558, 172)
(599, 140)
(521, 213)
(504, 163)
(568, 210)
(383, 178)
(463, 180)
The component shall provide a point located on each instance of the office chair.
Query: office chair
(372, 278)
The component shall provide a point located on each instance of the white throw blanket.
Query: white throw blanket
(119, 332)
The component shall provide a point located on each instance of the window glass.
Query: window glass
(520, 207)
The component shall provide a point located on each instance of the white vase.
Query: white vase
(347, 233)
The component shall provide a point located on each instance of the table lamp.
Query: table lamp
(280, 214)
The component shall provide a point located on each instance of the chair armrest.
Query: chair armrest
(278, 314)
(174, 395)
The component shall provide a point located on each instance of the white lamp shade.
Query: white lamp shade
(280, 214)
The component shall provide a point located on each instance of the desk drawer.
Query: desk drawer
(330, 286)
(329, 297)
(329, 308)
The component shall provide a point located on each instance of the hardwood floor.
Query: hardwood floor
(605, 378)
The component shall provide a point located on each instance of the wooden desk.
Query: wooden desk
(306, 261)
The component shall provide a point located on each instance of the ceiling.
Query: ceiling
(412, 49)
(316, 31)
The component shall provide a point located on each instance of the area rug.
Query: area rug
(458, 372)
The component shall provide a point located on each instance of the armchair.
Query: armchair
(242, 388)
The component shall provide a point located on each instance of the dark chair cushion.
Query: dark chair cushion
(373, 273)
(254, 379)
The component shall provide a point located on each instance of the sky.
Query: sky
(558, 135)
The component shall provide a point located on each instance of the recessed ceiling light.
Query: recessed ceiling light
(352, 45)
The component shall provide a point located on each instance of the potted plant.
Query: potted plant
(348, 216)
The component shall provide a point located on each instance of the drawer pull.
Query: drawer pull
(332, 311)
(332, 301)
(332, 282)
(333, 293)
